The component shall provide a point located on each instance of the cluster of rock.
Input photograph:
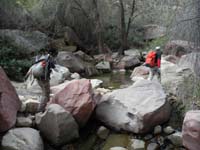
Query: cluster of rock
(180, 79)
(70, 108)
(159, 138)
(179, 76)
(70, 56)
(141, 110)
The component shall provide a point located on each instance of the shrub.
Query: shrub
(14, 61)
(157, 42)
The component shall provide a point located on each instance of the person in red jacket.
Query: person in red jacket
(153, 61)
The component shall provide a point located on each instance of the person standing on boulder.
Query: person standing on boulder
(153, 61)
(48, 62)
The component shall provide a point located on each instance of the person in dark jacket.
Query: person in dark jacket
(44, 81)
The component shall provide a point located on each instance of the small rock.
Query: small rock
(24, 122)
(138, 144)
(104, 65)
(176, 138)
(148, 137)
(103, 90)
(157, 130)
(32, 105)
(118, 148)
(168, 130)
(152, 146)
(75, 76)
(96, 83)
(23, 107)
(103, 132)
(160, 140)
(22, 98)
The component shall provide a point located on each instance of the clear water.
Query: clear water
(115, 80)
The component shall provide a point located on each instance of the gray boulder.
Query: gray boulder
(127, 62)
(22, 139)
(70, 61)
(75, 64)
(104, 65)
(59, 75)
(132, 52)
(153, 31)
(24, 122)
(178, 48)
(30, 41)
(13, 15)
(83, 56)
(137, 108)
(176, 138)
(62, 127)
(192, 61)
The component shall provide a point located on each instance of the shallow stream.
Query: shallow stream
(115, 80)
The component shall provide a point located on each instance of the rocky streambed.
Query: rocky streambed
(83, 115)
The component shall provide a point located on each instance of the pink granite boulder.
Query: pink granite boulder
(191, 130)
(9, 103)
(77, 98)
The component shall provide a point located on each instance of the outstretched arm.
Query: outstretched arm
(158, 55)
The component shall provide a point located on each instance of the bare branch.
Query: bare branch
(130, 18)
(78, 3)
(189, 19)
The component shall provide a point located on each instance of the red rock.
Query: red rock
(58, 88)
(9, 103)
(191, 130)
(77, 98)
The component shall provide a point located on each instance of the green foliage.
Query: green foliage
(136, 37)
(14, 61)
(157, 42)
(111, 37)
(27, 3)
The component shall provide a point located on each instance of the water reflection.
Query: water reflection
(115, 80)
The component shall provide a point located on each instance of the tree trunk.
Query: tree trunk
(98, 30)
(130, 18)
(123, 37)
(124, 31)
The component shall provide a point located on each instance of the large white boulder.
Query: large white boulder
(178, 81)
(137, 108)
(192, 61)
